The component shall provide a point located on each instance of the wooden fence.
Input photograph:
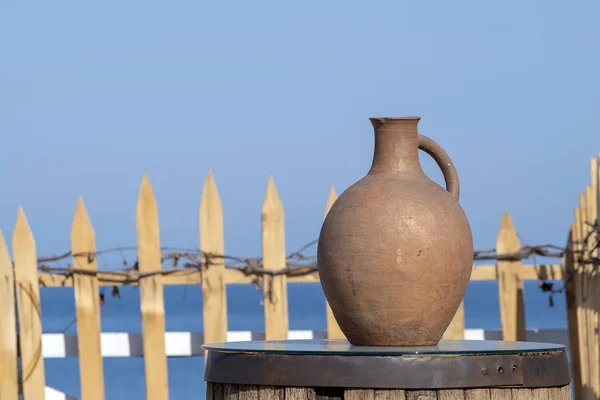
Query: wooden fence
(583, 297)
(21, 281)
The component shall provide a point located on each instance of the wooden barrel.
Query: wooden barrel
(453, 370)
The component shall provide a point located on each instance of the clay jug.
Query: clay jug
(395, 251)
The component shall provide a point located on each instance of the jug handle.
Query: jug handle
(443, 161)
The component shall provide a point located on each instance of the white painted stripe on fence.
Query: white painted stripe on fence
(184, 344)
(474, 334)
(54, 345)
(53, 394)
(239, 336)
(178, 343)
(297, 335)
(114, 344)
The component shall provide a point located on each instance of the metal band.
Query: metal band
(437, 371)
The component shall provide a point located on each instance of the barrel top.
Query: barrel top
(343, 347)
(336, 363)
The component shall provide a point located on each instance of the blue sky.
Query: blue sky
(94, 95)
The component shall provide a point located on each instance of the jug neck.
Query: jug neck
(396, 145)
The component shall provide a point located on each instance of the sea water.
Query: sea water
(124, 376)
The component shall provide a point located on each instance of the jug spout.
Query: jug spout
(396, 145)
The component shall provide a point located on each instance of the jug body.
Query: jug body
(395, 251)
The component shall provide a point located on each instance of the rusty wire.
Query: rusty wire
(297, 263)
(547, 250)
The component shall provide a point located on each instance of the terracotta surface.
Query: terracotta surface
(395, 251)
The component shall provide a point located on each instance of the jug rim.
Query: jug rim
(394, 118)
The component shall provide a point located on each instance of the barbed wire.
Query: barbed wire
(547, 250)
(297, 263)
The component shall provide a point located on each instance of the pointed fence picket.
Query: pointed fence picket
(21, 280)
(510, 283)
(9, 380)
(151, 293)
(274, 258)
(29, 309)
(87, 305)
(214, 293)
(572, 299)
